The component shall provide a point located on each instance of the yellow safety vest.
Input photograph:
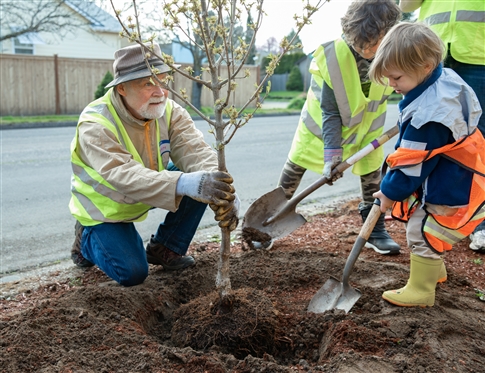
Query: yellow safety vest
(93, 199)
(362, 117)
(460, 23)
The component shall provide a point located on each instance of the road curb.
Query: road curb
(73, 124)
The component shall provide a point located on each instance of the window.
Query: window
(22, 48)
(24, 43)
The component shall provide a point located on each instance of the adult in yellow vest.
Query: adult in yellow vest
(461, 26)
(344, 111)
(135, 149)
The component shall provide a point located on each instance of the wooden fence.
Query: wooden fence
(39, 85)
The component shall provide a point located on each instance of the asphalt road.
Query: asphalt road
(36, 228)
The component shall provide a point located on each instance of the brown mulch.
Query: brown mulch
(174, 322)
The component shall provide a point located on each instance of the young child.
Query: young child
(344, 110)
(436, 182)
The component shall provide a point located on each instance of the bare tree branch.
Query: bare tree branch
(59, 17)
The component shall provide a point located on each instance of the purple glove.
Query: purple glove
(332, 157)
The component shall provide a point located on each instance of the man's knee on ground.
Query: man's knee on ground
(134, 275)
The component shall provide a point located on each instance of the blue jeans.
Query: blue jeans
(117, 248)
(474, 76)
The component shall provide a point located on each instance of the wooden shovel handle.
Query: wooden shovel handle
(361, 240)
(340, 168)
(371, 220)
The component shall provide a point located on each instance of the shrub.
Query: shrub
(286, 64)
(298, 102)
(101, 91)
(295, 80)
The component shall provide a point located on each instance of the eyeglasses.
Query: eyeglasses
(366, 49)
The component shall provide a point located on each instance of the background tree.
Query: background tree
(20, 17)
(271, 46)
(225, 62)
(287, 62)
(295, 80)
(298, 44)
(247, 39)
(101, 90)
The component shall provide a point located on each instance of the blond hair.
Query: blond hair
(410, 48)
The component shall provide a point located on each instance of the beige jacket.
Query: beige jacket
(99, 149)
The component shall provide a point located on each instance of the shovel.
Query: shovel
(340, 295)
(274, 216)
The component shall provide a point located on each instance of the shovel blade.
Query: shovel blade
(334, 295)
(349, 297)
(326, 297)
(267, 206)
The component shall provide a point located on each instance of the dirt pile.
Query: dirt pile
(86, 323)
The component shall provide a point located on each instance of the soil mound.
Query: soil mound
(174, 323)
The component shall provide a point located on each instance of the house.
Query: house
(90, 32)
(68, 63)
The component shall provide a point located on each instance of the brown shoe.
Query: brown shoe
(76, 256)
(159, 254)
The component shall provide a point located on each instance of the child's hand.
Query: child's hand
(385, 202)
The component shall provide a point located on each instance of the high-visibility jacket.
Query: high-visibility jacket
(442, 231)
(93, 199)
(362, 117)
(460, 23)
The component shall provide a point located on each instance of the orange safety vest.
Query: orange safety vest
(441, 232)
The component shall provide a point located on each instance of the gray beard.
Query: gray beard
(155, 112)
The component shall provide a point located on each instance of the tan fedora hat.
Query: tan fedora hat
(130, 64)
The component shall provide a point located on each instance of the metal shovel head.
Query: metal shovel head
(333, 294)
(267, 206)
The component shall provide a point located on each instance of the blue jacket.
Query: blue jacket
(446, 98)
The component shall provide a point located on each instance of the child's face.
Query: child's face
(403, 82)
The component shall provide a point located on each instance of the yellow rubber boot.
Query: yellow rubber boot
(443, 274)
(420, 289)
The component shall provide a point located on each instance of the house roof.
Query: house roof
(99, 19)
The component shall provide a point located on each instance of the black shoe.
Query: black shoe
(160, 255)
(76, 256)
(379, 240)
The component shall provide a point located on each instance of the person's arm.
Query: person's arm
(409, 5)
(198, 160)
(397, 185)
(331, 130)
(100, 150)
(331, 120)
(188, 149)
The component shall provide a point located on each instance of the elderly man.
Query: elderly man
(135, 149)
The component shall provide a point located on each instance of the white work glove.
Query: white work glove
(228, 216)
(478, 241)
(213, 188)
(331, 158)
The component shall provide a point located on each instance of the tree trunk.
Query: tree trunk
(223, 281)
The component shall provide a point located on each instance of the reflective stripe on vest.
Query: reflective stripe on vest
(460, 23)
(93, 199)
(362, 118)
(441, 239)
(469, 153)
(461, 16)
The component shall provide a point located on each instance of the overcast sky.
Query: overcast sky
(279, 21)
